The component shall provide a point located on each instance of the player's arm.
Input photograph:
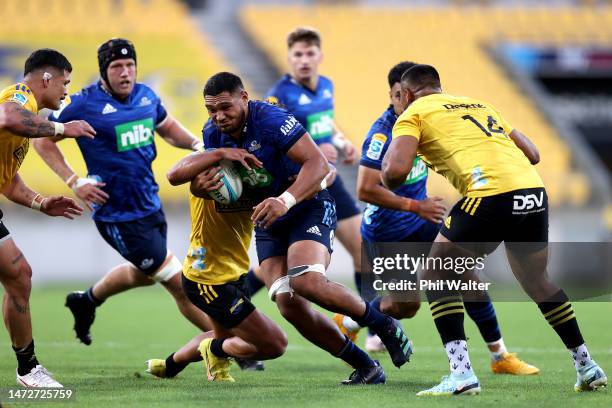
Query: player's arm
(22, 122)
(88, 190)
(173, 132)
(18, 192)
(315, 169)
(371, 191)
(343, 144)
(526, 145)
(192, 165)
(397, 163)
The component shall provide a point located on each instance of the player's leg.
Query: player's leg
(16, 279)
(177, 361)
(315, 326)
(169, 276)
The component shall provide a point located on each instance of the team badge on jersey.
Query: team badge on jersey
(19, 98)
(376, 146)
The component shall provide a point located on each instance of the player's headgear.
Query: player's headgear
(114, 49)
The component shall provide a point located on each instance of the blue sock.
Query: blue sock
(373, 319)
(483, 314)
(354, 356)
(375, 304)
(254, 282)
(94, 300)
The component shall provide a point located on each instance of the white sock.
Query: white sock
(458, 358)
(581, 356)
(497, 355)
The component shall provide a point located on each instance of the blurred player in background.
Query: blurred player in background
(45, 84)
(214, 272)
(120, 187)
(492, 165)
(408, 215)
(310, 98)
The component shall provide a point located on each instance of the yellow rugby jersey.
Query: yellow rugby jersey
(467, 141)
(219, 241)
(13, 148)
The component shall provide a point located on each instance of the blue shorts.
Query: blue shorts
(311, 220)
(426, 233)
(346, 207)
(142, 242)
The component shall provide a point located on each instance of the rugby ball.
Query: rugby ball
(232, 184)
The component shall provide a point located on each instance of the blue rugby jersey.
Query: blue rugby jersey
(123, 149)
(314, 110)
(381, 224)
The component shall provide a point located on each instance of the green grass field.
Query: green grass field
(144, 323)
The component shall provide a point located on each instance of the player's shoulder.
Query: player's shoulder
(18, 93)
(281, 86)
(326, 81)
(210, 133)
(263, 111)
(144, 95)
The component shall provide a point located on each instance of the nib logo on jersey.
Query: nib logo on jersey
(320, 124)
(135, 134)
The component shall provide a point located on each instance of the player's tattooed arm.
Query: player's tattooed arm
(22, 122)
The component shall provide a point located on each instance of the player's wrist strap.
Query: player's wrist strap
(59, 128)
(72, 179)
(339, 141)
(37, 202)
(197, 145)
(287, 199)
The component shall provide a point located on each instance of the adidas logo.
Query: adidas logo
(304, 100)
(314, 230)
(108, 108)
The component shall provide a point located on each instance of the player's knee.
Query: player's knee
(402, 310)
(275, 346)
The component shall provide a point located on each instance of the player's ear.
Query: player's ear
(244, 95)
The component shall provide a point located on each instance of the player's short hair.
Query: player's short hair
(308, 35)
(223, 82)
(395, 74)
(46, 57)
(421, 76)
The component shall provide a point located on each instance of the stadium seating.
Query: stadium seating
(360, 44)
(173, 57)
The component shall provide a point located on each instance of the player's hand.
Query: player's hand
(350, 153)
(78, 128)
(240, 155)
(56, 206)
(268, 211)
(206, 181)
(90, 192)
(329, 151)
(430, 209)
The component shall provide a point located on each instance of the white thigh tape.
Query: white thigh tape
(168, 270)
(283, 285)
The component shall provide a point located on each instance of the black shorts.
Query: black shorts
(346, 206)
(228, 304)
(515, 216)
(142, 242)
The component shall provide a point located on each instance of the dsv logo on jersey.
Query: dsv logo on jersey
(528, 201)
(135, 134)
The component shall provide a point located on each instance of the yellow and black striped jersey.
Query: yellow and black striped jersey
(467, 141)
(13, 148)
(219, 241)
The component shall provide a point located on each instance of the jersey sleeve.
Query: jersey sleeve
(374, 148)
(161, 112)
(408, 124)
(284, 129)
(68, 109)
(21, 96)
